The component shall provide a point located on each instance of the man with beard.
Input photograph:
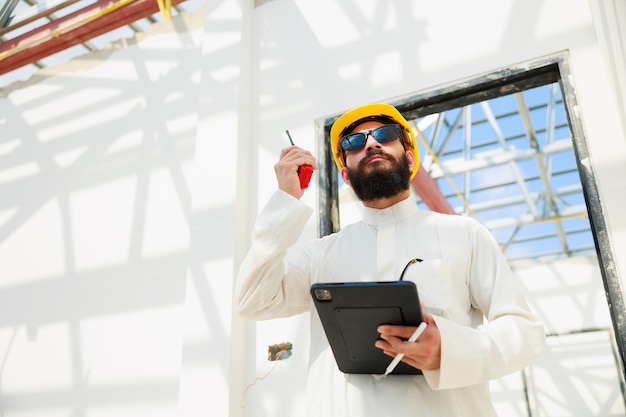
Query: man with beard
(479, 327)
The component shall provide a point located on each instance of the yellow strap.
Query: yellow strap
(166, 8)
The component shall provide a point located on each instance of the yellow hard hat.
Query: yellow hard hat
(371, 111)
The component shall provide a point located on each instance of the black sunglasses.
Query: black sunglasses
(382, 134)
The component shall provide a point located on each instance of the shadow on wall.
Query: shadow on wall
(94, 232)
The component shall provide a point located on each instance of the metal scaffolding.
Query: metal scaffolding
(509, 162)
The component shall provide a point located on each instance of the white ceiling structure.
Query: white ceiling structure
(508, 161)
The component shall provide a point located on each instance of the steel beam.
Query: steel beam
(430, 193)
(70, 30)
(38, 11)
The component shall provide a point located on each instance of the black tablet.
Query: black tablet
(351, 312)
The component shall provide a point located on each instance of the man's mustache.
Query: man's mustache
(372, 154)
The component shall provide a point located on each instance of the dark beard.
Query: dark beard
(380, 182)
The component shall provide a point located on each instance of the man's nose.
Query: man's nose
(371, 142)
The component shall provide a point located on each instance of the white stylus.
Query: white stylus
(399, 356)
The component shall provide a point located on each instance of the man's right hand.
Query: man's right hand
(286, 169)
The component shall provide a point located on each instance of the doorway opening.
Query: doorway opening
(508, 148)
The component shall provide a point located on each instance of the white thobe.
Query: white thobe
(487, 329)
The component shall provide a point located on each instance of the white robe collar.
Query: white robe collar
(398, 211)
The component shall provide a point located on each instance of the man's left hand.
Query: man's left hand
(424, 353)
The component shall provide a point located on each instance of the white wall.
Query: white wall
(130, 178)
(95, 214)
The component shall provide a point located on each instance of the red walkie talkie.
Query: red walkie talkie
(304, 171)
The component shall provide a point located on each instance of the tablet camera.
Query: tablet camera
(323, 295)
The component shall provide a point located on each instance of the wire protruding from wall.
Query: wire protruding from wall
(275, 353)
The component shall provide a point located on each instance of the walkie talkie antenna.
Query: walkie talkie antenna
(289, 136)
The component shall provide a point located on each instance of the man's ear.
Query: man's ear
(410, 157)
(345, 176)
